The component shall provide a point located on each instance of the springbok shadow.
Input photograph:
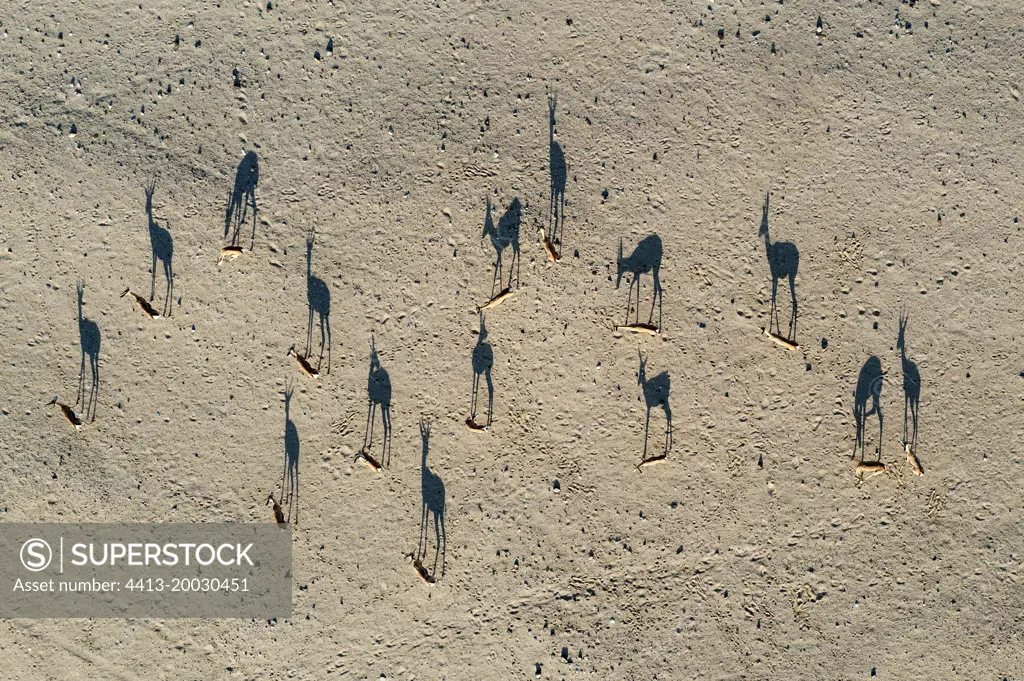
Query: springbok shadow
(646, 257)
(655, 391)
(378, 388)
(290, 476)
(869, 386)
(318, 295)
(243, 197)
(162, 245)
(483, 360)
(911, 387)
(433, 505)
(559, 174)
(783, 261)
(504, 235)
(89, 339)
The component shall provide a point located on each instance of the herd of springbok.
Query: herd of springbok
(645, 258)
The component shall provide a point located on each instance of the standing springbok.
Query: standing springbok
(162, 245)
(432, 488)
(783, 261)
(378, 387)
(646, 257)
(559, 173)
(318, 296)
(655, 391)
(89, 338)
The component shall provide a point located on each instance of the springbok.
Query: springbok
(68, 412)
(278, 512)
(143, 304)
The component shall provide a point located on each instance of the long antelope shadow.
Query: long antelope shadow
(505, 234)
(378, 388)
(869, 387)
(243, 197)
(559, 174)
(646, 257)
(290, 475)
(162, 245)
(483, 360)
(89, 339)
(432, 488)
(318, 296)
(911, 387)
(783, 261)
(655, 389)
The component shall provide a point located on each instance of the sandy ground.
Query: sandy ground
(889, 143)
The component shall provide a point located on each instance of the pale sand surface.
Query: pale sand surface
(893, 160)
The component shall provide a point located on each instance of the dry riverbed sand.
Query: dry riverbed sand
(887, 135)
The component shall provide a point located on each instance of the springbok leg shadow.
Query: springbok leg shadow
(290, 476)
(656, 390)
(646, 257)
(433, 506)
(783, 261)
(318, 296)
(869, 386)
(483, 360)
(505, 234)
(559, 174)
(911, 388)
(243, 197)
(162, 245)
(378, 388)
(89, 338)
